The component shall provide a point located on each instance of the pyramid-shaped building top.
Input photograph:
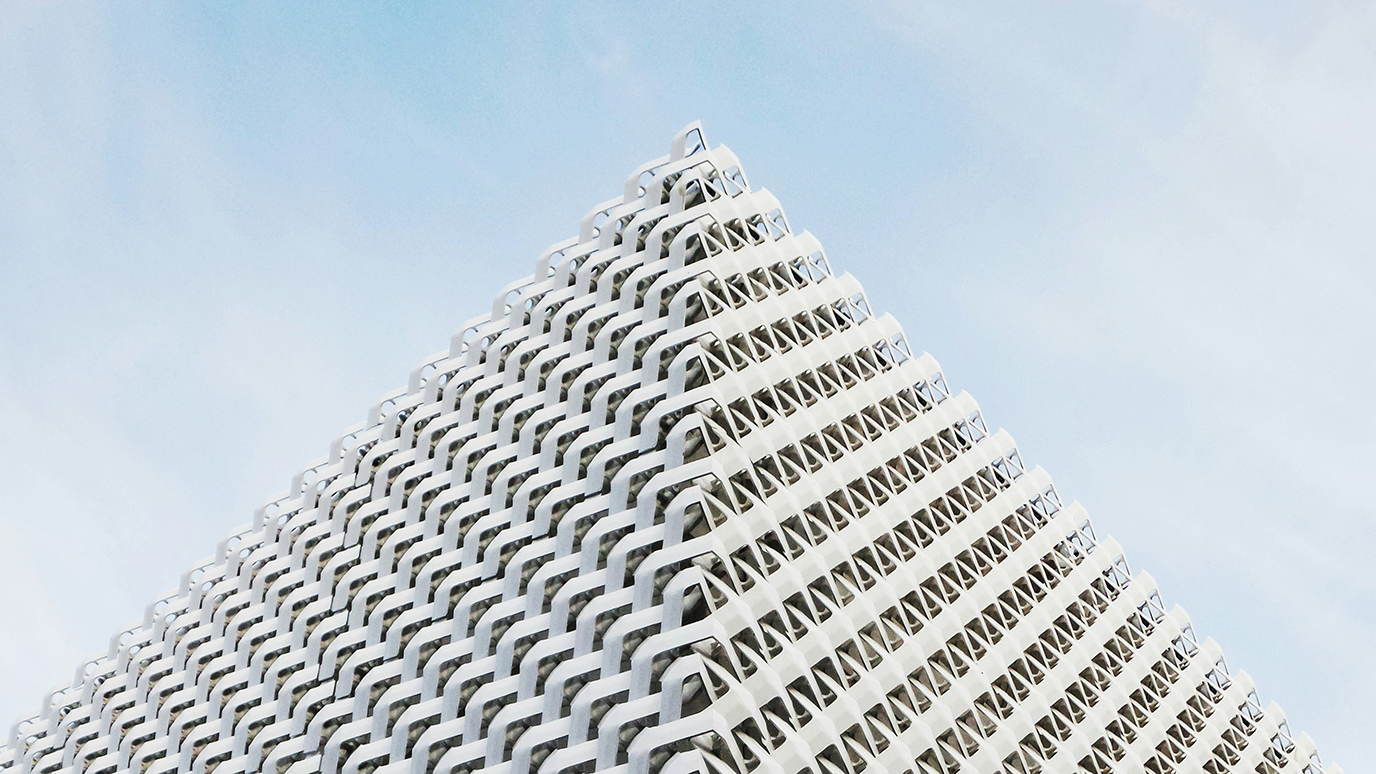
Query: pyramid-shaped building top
(681, 503)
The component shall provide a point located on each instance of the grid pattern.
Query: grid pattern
(680, 503)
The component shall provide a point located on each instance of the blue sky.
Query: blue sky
(1139, 233)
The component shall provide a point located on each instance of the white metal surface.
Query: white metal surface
(681, 503)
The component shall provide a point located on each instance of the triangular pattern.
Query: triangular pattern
(681, 503)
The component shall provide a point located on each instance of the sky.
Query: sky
(1139, 233)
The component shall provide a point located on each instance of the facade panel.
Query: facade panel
(681, 503)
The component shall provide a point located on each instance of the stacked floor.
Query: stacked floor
(680, 503)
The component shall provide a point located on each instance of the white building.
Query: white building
(682, 502)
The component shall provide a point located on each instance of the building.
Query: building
(681, 503)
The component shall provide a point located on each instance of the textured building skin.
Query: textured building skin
(681, 503)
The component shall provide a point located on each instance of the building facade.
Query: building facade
(681, 503)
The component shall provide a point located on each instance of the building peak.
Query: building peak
(681, 502)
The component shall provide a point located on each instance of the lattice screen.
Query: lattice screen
(680, 503)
